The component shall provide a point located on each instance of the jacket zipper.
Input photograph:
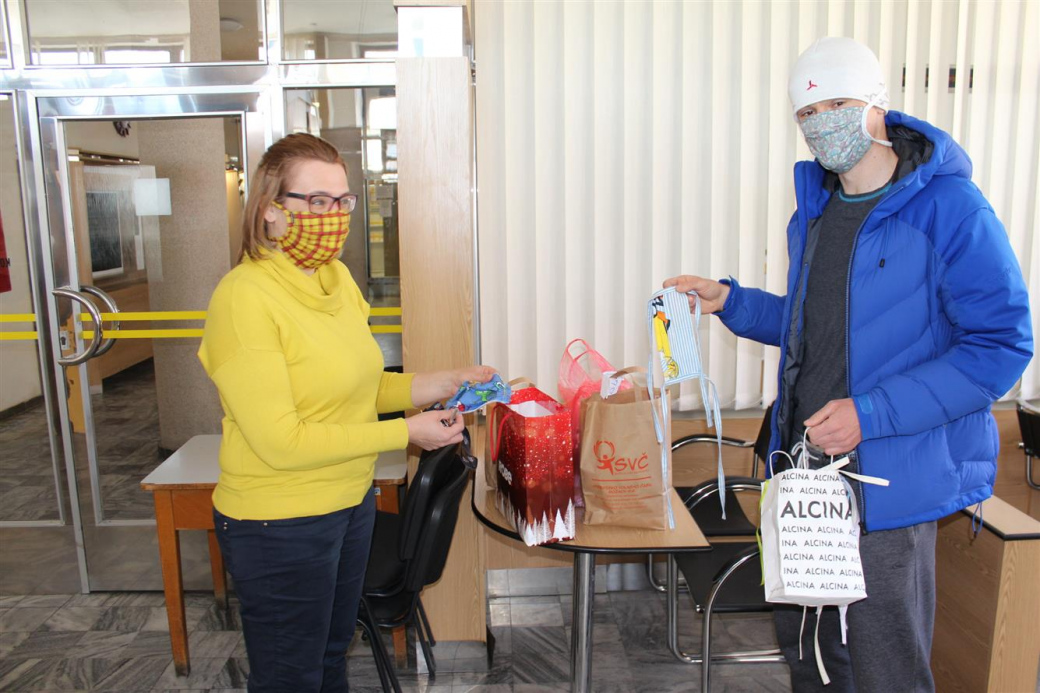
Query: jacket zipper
(781, 402)
(848, 377)
(860, 467)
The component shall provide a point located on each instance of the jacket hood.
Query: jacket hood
(924, 152)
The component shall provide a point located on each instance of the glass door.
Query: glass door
(144, 214)
(36, 529)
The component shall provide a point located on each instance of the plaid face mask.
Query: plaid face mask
(312, 240)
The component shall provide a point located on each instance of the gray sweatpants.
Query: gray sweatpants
(889, 633)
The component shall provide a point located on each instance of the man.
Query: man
(905, 317)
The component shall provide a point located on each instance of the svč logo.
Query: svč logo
(607, 459)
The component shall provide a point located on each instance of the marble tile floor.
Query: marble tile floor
(119, 642)
(126, 422)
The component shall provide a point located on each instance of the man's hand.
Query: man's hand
(835, 428)
(713, 294)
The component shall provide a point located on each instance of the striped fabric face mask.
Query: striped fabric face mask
(675, 356)
(312, 240)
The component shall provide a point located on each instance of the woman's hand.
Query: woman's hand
(428, 388)
(469, 374)
(713, 294)
(430, 430)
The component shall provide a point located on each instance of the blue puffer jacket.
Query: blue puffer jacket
(938, 328)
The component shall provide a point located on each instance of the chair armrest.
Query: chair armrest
(711, 487)
(708, 438)
(736, 563)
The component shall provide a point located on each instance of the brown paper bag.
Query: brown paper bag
(623, 476)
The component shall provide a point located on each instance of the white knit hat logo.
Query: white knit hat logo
(834, 68)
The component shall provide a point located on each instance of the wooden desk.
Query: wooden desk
(183, 490)
(987, 602)
(590, 540)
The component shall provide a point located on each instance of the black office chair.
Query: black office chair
(392, 594)
(1029, 425)
(708, 515)
(732, 562)
(733, 565)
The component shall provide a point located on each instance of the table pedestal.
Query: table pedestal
(581, 623)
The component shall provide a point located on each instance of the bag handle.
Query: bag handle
(580, 341)
(863, 478)
(524, 381)
(496, 431)
(628, 371)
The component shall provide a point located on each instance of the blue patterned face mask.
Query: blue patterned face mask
(837, 138)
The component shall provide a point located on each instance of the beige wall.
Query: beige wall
(19, 363)
(204, 42)
(100, 137)
(244, 43)
(194, 255)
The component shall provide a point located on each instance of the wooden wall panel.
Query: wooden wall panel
(435, 151)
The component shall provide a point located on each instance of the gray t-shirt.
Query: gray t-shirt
(822, 377)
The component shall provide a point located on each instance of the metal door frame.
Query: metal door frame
(45, 96)
(61, 267)
(37, 270)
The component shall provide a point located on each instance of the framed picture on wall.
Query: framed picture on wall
(106, 244)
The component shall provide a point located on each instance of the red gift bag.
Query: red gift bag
(530, 440)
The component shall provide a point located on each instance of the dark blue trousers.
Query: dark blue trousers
(299, 582)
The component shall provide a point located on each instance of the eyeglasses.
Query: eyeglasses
(319, 203)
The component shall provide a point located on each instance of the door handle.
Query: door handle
(110, 304)
(95, 314)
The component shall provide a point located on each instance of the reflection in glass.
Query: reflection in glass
(351, 29)
(4, 60)
(28, 491)
(89, 32)
(157, 220)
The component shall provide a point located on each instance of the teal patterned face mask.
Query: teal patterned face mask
(837, 138)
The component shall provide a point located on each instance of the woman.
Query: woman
(301, 381)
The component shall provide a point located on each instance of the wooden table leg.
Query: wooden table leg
(216, 564)
(388, 500)
(170, 558)
(400, 646)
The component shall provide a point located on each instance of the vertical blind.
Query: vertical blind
(621, 143)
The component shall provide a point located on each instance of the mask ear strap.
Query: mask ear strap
(863, 121)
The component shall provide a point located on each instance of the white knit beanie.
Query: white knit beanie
(833, 68)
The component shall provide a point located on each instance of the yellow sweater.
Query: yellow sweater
(301, 381)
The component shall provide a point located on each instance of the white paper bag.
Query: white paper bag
(810, 540)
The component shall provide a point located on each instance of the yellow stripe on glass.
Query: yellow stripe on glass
(145, 334)
(130, 316)
(159, 316)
